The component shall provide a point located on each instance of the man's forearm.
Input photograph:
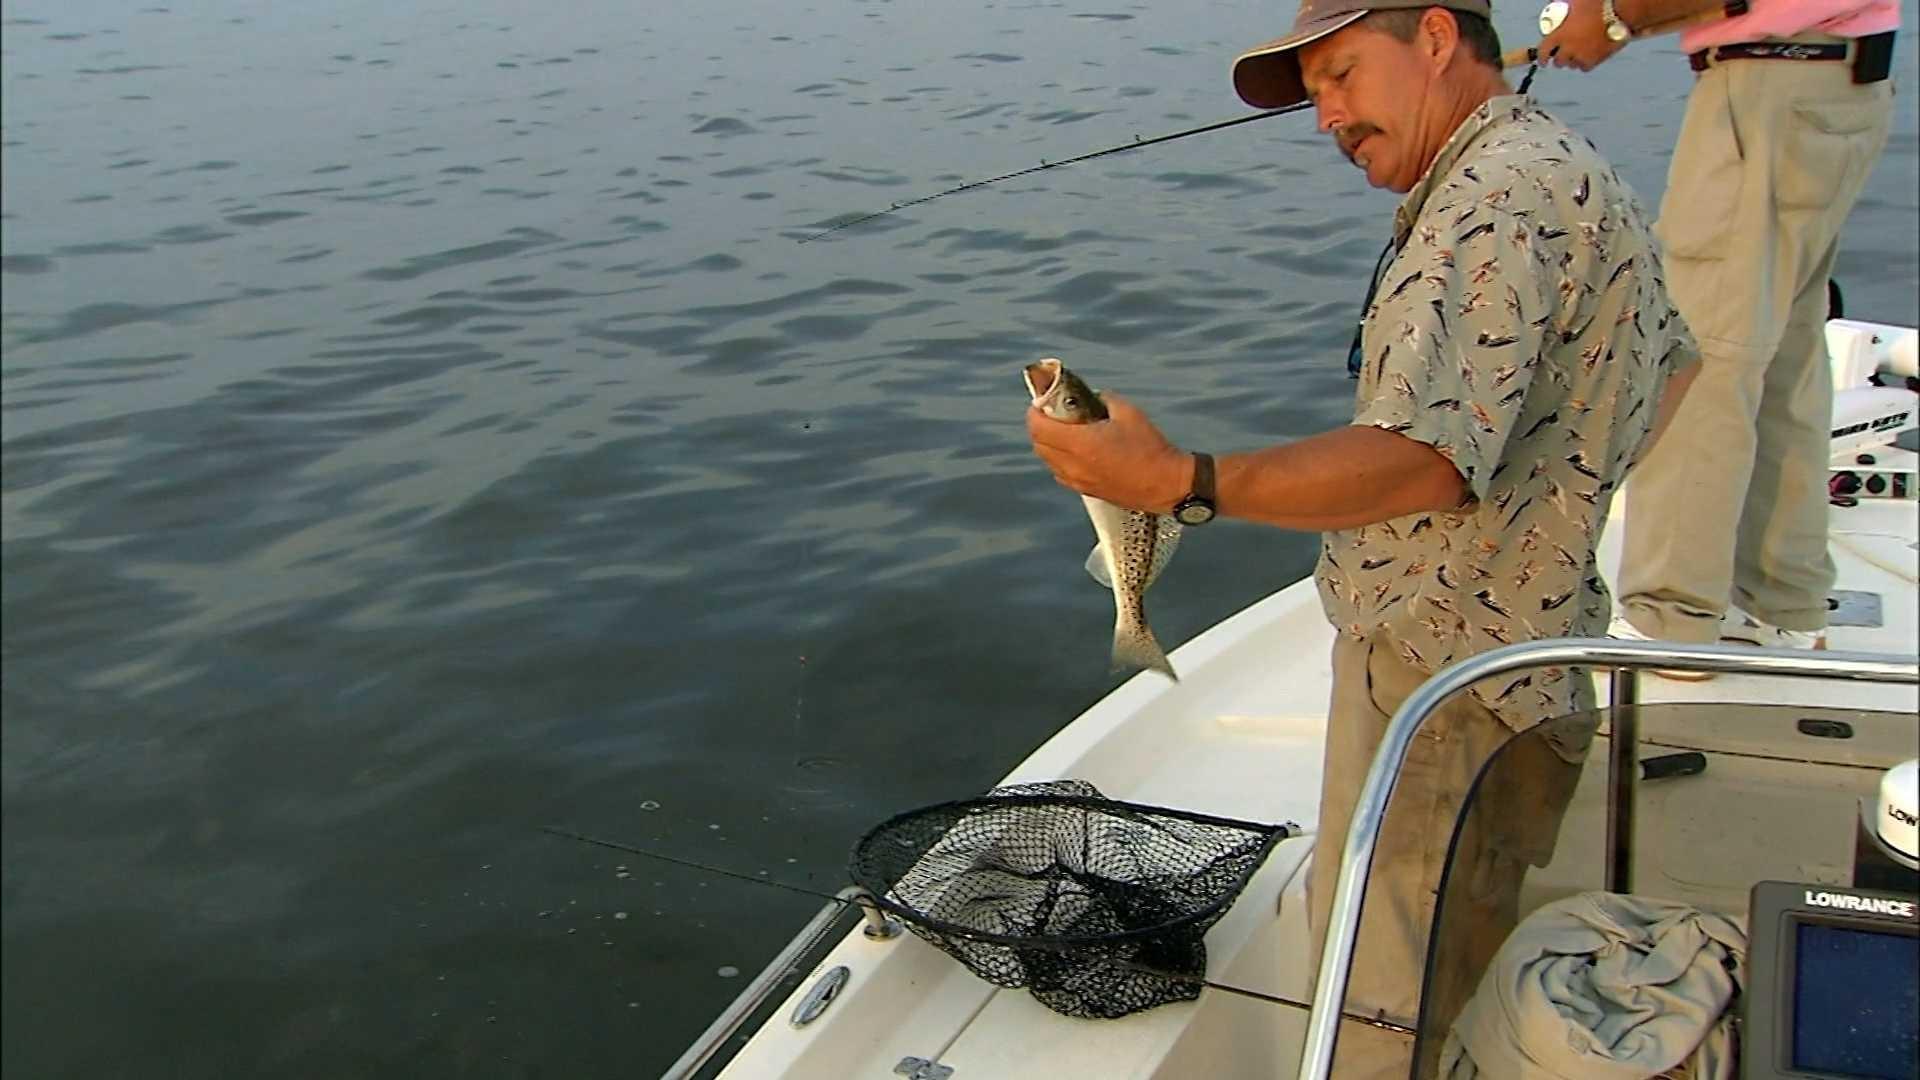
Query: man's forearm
(1339, 479)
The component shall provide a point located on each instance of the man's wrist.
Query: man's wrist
(1176, 478)
(1197, 503)
(1617, 28)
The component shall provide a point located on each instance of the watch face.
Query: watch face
(1617, 32)
(1193, 514)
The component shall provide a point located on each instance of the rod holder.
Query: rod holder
(880, 926)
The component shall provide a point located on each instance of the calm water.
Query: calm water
(422, 426)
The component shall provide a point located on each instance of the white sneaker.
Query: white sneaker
(1741, 628)
(1625, 631)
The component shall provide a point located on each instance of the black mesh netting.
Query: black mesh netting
(1057, 889)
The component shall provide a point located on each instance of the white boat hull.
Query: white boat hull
(1239, 736)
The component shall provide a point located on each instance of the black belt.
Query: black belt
(1766, 50)
(1871, 55)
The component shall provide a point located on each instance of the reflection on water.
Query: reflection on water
(422, 425)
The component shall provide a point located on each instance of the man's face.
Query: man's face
(1369, 89)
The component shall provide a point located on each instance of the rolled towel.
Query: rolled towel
(1601, 986)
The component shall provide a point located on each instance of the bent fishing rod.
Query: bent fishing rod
(1550, 19)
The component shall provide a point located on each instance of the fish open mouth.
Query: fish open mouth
(1040, 377)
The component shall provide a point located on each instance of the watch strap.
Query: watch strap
(1611, 18)
(1203, 477)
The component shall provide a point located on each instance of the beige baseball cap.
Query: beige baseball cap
(1268, 76)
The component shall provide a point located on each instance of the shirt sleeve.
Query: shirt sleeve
(1682, 349)
(1457, 337)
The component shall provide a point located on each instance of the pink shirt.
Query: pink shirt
(1784, 18)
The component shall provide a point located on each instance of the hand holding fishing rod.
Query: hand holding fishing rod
(1581, 34)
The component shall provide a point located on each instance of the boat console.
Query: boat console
(1834, 973)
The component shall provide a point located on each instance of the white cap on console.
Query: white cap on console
(1898, 820)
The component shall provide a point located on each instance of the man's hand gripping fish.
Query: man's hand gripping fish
(1133, 547)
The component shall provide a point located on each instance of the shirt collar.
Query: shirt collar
(1493, 113)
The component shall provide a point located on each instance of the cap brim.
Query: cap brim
(1268, 76)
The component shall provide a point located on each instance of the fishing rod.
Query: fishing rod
(1044, 165)
(1551, 17)
(866, 902)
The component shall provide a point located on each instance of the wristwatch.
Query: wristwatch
(1197, 507)
(1616, 30)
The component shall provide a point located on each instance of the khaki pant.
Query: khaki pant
(1731, 504)
(1370, 681)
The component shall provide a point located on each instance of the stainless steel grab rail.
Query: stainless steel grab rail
(1336, 956)
(755, 995)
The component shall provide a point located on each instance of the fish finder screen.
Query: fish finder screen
(1856, 996)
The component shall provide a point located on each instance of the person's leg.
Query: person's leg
(1830, 132)
(1371, 681)
(1770, 160)
(1515, 804)
(1782, 570)
(1355, 726)
(1676, 568)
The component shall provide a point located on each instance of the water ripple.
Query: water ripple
(419, 432)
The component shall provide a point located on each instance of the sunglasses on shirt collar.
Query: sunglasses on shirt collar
(1355, 358)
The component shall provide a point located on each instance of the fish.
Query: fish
(1131, 547)
(1485, 228)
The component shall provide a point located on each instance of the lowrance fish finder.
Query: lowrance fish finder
(1833, 987)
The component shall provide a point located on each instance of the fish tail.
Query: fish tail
(1135, 647)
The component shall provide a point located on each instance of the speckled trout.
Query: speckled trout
(1131, 547)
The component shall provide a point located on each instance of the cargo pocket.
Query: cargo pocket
(1825, 153)
(1704, 183)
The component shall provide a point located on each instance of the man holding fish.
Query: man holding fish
(1515, 356)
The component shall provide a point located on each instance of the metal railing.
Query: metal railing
(879, 927)
(1624, 658)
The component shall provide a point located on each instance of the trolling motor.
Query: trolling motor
(1876, 375)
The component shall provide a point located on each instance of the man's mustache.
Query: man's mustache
(1350, 136)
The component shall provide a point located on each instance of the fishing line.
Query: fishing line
(690, 864)
(1136, 144)
(1272, 999)
(1551, 17)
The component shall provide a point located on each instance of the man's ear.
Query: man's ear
(1439, 36)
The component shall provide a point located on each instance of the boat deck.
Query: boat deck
(1241, 736)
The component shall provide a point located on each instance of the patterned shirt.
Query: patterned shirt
(1523, 330)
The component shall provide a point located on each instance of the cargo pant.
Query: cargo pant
(1731, 503)
(1370, 681)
